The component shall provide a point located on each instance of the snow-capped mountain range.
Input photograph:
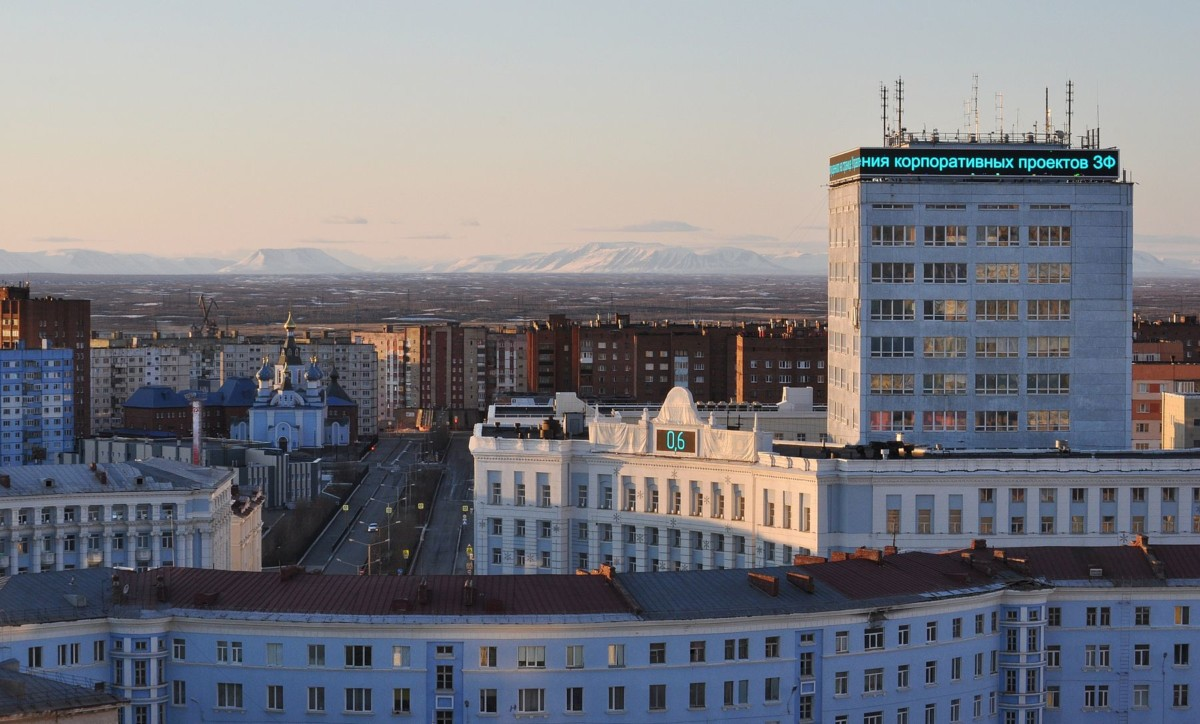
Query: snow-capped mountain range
(594, 258)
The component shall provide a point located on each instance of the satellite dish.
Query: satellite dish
(125, 590)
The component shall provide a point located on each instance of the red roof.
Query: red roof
(897, 575)
(372, 595)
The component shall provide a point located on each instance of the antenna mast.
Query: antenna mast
(1070, 101)
(1000, 115)
(883, 95)
(900, 105)
(975, 102)
(1046, 125)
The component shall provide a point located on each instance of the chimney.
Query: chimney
(5, 480)
(803, 582)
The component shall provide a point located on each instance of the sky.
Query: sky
(445, 130)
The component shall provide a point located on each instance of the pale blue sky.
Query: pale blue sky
(452, 129)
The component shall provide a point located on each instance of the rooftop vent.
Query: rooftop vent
(48, 482)
(765, 583)
(1095, 572)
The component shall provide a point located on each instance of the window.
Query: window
(771, 689)
(902, 676)
(997, 274)
(98, 650)
(574, 698)
(996, 347)
(179, 693)
(487, 657)
(892, 310)
(931, 631)
(996, 310)
(996, 420)
(316, 654)
(872, 681)
(229, 695)
(1048, 384)
(841, 683)
(944, 273)
(696, 652)
(1049, 273)
(944, 384)
(1179, 696)
(1096, 656)
(997, 384)
(902, 635)
(944, 310)
(1095, 696)
(358, 656)
(488, 701)
(1141, 616)
(997, 235)
(771, 647)
(575, 656)
(402, 700)
(1048, 309)
(1183, 615)
(1098, 616)
(616, 698)
(696, 695)
(1141, 656)
(274, 697)
(229, 652)
(873, 639)
(892, 420)
(893, 235)
(930, 673)
(891, 384)
(1048, 420)
(841, 642)
(1181, 655)
(1049, 236)
(1141, 696)
(274, 654)
(616, 656)
(531, 657)
(945, 235)
(891, 346)
(358, 699)
(940, 347)
(444, 677)
(658, 697)
(179, 649)
(892, 272)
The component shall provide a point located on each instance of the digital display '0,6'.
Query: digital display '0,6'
(675, 441)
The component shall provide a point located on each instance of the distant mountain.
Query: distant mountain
(300, 260)
(88, 261)
(642, 258)
(1148, 265)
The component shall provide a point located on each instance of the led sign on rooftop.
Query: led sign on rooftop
(675, 441)
(975, 161)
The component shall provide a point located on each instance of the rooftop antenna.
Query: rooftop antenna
(1046, 126)
(900, 105)
(1070, 101)
(975, 101)
(1000, 115)
(883, 96)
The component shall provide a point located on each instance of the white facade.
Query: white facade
(619, 498)
(980, 313)
(144, 514)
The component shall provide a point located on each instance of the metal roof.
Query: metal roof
(155, 475)
(26, 694)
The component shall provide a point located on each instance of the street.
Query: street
(444, 547)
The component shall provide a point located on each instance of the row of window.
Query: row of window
(956, 420)
(989, 383)
(904, 272)
(958, 235)
(735, 693)
(1018, 524)
(956, 347)
(1080, 495)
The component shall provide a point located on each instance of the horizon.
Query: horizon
(391, 132)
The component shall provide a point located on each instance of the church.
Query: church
(293, 406)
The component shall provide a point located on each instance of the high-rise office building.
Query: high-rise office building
(980, 293)
(51, 322)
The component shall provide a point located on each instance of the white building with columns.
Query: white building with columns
(677, 492)
(142, 514)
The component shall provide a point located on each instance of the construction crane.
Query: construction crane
(208, 324)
